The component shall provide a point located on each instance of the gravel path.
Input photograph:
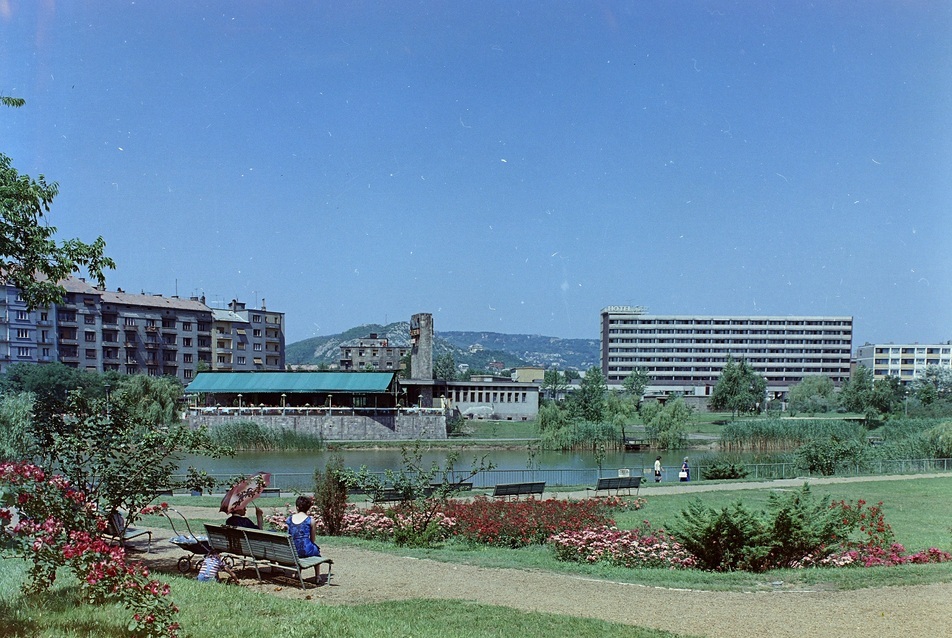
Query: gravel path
(363, 576)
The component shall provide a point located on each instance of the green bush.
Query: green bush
(796, 526)
(330, 494)
(722, 540)
(722, 470)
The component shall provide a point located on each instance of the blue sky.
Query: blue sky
(508, 166)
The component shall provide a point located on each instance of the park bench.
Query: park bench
(618, 483)
(515, 490)
(229, 543)
(270, 549)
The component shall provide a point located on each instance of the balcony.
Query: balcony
(151, 345)
(169, 346)
(151, 328)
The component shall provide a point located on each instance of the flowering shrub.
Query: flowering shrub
(641, 547)
(528, 522)
(53, 524)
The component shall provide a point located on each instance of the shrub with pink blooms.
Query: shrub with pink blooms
(640, 547)
(52, 524)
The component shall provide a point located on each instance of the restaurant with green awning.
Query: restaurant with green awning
(295, 389)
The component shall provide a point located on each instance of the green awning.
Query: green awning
(290, 382)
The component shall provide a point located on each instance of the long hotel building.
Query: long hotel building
(686, 353)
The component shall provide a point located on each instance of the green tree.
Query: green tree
(888, 395)
(590, 397)
(635, 383)
(16, 415)
(935, 384)
(739, 388)
(813, 394)
(444, 368)
(30, 258)
(857, 392)
(666, 425)
(554, 384)
(116, 449)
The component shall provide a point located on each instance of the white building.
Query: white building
(907, 361)
(686, 353)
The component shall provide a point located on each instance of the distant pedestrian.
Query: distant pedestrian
(658, 470)
(685, 474)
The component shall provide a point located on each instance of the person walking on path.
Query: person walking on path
(685, 474)
(658, 470)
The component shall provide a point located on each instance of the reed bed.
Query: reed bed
(777, 435)
(248, 435)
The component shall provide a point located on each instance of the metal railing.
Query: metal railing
(568, 477)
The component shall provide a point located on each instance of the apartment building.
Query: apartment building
(686, 353)
(102, 330)
(247, 339)
(371, 352)
(907, 361)
(26, 336)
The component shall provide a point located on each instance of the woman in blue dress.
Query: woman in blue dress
(301, 528)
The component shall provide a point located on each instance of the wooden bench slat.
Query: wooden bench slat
(274, 549)
(518, 489)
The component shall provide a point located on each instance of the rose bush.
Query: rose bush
(53, 524)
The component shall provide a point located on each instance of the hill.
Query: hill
(476, 349)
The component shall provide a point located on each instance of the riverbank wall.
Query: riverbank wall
(382, 426)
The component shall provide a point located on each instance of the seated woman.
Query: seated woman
(301, 528)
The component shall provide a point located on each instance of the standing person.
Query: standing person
(685, 474)
(238, 518)
(658, 470)
(302, 530)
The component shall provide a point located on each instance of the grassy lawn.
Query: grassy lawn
(212, 611)
(501, 430)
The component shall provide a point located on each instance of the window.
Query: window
(256, 332)
(90, 337)
(187, 357)
(129, 321)
(44, 316)
(23, 333)
(90, 353)
(187, 342)
(257, 348)
(89, 320)
(23, 315)
(188, 374)
(202, 326)
(23, 353)
(186, 325)
(168, 323)
(241, 361)
(256, 318)
(150, 323)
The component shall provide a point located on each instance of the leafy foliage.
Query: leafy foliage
(330, 494)
(124, 457)
(722, 540)
(739, 388)
(589, 400)
(666, 425)
(814, 394)
(57, 525)
(824, 455)
(724, 470)
(27, 244)
(417, 522)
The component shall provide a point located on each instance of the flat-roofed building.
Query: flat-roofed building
(906, 361)
(686, 353)
(372, 352)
